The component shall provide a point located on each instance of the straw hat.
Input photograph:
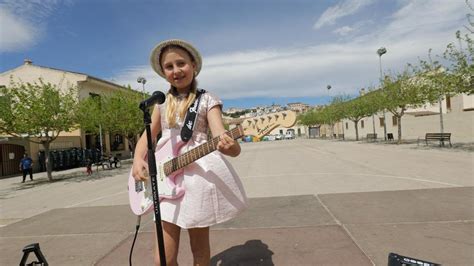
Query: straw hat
(155, 55)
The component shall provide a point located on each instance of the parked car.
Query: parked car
(290, 134)
(269, 137)
(278, 137)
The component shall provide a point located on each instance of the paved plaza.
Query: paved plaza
(312, 202)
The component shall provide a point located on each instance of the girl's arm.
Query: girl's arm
(226, 145)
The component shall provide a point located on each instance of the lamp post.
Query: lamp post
(381, 51)
(329, 97)
(142, 80)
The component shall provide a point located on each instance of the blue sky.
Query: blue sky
(255, 52)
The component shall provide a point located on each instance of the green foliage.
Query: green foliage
(460, 72)
(403, 91)
(238, 114)
(37, 110)
(117, 113)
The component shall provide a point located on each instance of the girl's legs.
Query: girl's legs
(171, 234)
(199, 238)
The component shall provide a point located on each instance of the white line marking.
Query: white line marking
(376, 175)
(96, 199)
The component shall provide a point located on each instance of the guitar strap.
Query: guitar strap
(191, 117)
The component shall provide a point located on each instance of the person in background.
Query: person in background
(26, 166)
(89, 166)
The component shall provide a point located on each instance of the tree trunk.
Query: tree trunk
(48, 164)
(132, 143)
(441, 124)
(332, 131)
(399, 122)
(357, 129)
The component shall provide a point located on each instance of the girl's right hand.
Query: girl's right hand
(140, 170)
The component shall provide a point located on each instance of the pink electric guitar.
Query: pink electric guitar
(170, 162)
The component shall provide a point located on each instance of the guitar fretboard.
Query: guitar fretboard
(198, 152)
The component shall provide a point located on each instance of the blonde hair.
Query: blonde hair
(172, 105)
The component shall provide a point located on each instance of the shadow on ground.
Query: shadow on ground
(72, 177)
(253, 252)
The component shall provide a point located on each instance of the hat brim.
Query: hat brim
(156, 52)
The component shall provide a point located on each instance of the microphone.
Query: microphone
(156, 97)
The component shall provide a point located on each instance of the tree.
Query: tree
(37, 112)
(400, 93)
(122, 115)
(356, 109)
(117, 113)
(460, 71)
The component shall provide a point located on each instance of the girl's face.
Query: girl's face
(178, 68)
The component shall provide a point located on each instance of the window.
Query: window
(347, 125)
(362, 124)
(394, 121)
(448, 103)
(381, 120)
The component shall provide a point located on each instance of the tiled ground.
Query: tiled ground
(330, 229)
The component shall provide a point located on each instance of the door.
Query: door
(10, 156)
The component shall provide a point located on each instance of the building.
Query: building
(11, 148)
(458, 119)
(298, 107)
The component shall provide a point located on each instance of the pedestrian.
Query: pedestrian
(89, 166)
(213, 191)
(26, 166)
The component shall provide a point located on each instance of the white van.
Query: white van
(290, 134)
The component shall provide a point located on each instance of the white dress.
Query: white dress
(213, 190)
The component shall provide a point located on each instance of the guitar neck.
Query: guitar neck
(198, 152)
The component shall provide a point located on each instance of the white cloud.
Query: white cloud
(346, 8)
(306, 71)
(23, 22)
(15, 33)
(343, 31)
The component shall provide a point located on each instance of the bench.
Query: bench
(371, 136)
(390, 136)
(103, 163)
(441, 137)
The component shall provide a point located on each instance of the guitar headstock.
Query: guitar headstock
(260, 126)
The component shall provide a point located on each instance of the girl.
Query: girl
(213, 191)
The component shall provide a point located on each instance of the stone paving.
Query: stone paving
(312, 202)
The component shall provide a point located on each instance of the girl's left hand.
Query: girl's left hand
(225, 143)
(228, 146)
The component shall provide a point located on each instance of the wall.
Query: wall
(456, 121)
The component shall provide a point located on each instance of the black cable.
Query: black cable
(137, 227)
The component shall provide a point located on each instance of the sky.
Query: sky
(255, 52)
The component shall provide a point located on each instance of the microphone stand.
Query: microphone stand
(154, 186)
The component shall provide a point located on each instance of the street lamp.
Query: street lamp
(142, 80)
(381, 51)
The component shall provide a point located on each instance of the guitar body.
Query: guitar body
(140, 193)
(170, 161)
